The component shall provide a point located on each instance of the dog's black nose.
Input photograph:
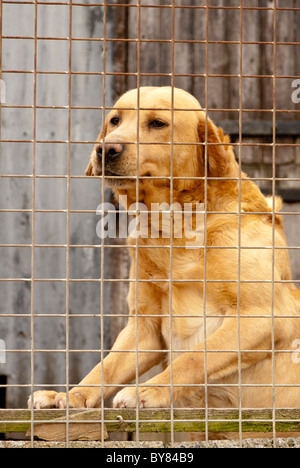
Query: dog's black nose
(112, 150)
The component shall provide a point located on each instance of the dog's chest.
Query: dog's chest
(188, 327)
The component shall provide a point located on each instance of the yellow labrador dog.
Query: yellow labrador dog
(234, 311)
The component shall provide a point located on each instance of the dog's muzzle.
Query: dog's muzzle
(111, 151)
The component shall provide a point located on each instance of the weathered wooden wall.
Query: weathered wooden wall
(51, 158)
(50, 333)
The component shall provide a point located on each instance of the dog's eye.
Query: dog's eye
(115, 120)
(157, 124)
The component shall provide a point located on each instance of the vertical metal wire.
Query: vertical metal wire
(33, 219)
(171, 224)
(102, 240)
(274, 219)
(68, 227)
(206, 388)
(240, 221)
(137, 214)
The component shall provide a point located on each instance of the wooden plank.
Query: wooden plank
(120, 19)
(51, 424)
(75, 429)
(261, 128)
(86, 425)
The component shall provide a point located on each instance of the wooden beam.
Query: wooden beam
(86, 424)
(255, 128)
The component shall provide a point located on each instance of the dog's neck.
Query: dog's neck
(159, 195)
(181, 214)
(216, 195)
(170, 215)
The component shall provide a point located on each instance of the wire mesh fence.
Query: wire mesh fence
(64, 281)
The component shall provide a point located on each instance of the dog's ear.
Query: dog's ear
(89, 170)
(218, 157)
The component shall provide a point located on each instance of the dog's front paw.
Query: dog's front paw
(81, 398)
(145, 397)
(155, 397)
(42, 399)
(126, 398)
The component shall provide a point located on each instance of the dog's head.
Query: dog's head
(158, 133)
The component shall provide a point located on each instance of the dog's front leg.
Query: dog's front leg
(224, 353)
(119, 367)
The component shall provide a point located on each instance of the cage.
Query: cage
(63, 286)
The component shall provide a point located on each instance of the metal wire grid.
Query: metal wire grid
(68, 177)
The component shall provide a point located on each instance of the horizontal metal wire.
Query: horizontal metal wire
(137, 280)
(89, 142)
(141, 420)
(155, 41)
(215, 109)
(28, 210)
(132, 177)
(140, 385)
(151, 351)
(114, 315)
(140, 6)
(166, 108)
(152, 74)
(112, 246)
